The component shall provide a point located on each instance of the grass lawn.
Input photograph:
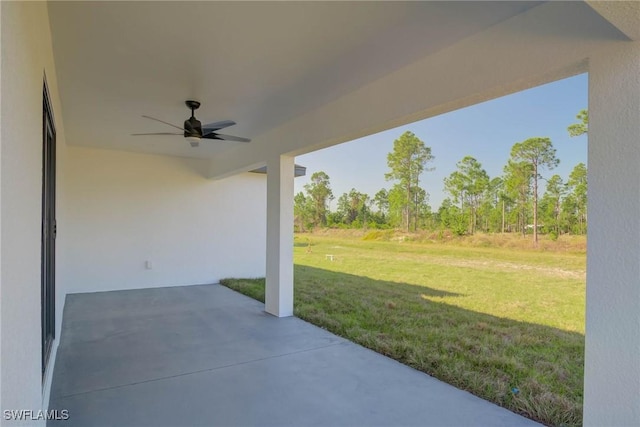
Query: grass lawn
(506, 324)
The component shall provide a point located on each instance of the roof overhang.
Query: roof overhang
(297, 172)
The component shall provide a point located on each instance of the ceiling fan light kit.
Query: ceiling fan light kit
(193, 131)
(193, 140)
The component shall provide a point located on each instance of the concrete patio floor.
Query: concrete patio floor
(208, 356)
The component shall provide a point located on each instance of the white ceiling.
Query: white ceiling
(257, 63)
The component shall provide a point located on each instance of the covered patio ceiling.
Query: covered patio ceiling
(260, 64)
(298, 77)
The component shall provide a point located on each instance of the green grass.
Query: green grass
(484, 319)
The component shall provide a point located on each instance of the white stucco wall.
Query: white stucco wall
(114, 210)
(124, 209)
(0, 208)
(612, 341)
(26, 58)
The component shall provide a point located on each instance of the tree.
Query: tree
(540, 154)
(302, 212)
(467, 185)
(353, 206)
(504, 201)
(577, 185)
(422, 210)
(451, 217)
(407, 161)
(570, 214)
(381, 200)
(517, 185)
(493, 205)
(551, 203)
(397, 206)
(582, 127)
(320, 192)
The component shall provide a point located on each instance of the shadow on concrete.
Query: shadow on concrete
(544, 365)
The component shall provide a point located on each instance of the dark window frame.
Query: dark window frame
(49, 229)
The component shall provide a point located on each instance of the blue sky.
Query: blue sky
(486, 131)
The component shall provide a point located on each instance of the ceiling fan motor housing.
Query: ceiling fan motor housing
(192, 127)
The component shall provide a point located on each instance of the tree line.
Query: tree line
(476, 202)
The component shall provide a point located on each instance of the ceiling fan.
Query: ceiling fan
(194, 131)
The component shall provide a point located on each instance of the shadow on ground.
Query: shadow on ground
(532, 369)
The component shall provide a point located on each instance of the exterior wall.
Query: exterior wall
(1, 61)
(115, 211)
(124, 209)
(612, 341)
(26, 58)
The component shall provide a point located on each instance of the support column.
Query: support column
(279, 286)
(612, 354)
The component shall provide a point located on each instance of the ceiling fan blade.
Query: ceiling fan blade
(217, 125)
(225, 137)
(166, 123)
(156, 133)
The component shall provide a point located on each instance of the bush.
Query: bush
(459, 229)
(376, 235)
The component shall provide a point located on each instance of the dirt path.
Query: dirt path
(487, 264)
